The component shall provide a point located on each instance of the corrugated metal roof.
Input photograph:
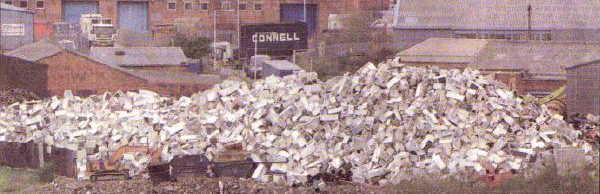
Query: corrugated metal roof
(283, 65)
(499, 14)
(13, 8)
(140, 56)
(542, 58)
(35, 51)
(595, 62)
(444, 50)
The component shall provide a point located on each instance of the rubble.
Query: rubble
(10, 96)
(385, 124)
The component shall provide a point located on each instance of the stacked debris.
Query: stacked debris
(382, 125)
(11, 96)
(589, 125)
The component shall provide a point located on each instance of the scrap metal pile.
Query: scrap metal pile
(10, 96)
(383, 124)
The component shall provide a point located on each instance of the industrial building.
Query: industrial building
(583, 88)
(154, 16)
(16, 27)
(529, 67)
(64, 69)
(417, 20)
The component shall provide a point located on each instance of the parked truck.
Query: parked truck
(98, 30)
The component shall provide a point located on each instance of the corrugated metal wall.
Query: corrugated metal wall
(583, 89)
(133, 16)
(72, 10)
(16, 19)
(290, 13)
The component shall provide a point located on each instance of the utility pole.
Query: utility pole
(255, 56)
(529, 22)
(305, 12)
(214, 37)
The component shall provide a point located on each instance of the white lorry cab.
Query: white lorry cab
(98, 30)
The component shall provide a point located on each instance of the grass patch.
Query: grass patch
(547, 182)
(14, 180)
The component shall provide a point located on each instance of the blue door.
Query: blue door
(295, 12)
(133, 16)
(73, 10)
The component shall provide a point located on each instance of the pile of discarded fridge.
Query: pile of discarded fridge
(384, 124)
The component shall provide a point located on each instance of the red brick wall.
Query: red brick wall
(226, 20)
(68, 71)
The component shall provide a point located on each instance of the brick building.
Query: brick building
(84, 75)
(545, 20)
(529, 67)
(153, 15)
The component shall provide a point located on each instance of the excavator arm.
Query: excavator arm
(554, 95)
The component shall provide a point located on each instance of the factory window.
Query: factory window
(188, 5)
(172, 5)
(227, 5)
(23, 4)
(243, 5)
(258, 5)
(39, 4)
(8, 2)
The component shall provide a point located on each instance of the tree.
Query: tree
(194, 47)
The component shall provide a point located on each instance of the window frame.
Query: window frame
(260, 5)
(245, 4)
(227, 5)
(9, 2)
(202, 4)
(188, 5)
(169, 3)
(37, 4)
(21, 4)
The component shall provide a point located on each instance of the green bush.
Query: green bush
(194, 47)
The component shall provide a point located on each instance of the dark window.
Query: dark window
(257, 6)
(171, 5)
(188, 5)
(39, 4)
(23, 4)
(204, 6)
(95, 22)
(547, 37)
(243, 6)
(8, 2)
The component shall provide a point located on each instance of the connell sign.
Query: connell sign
(273, 39)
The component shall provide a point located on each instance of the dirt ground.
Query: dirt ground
(199, 184)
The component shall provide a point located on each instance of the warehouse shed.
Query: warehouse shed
(16, 27)
(19, 73)
(583, 88)
(86, 75)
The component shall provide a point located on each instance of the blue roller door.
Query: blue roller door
(133, 16)
(74, 9)
(295, 12)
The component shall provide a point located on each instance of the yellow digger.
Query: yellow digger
(555, 101)
(112, 166)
